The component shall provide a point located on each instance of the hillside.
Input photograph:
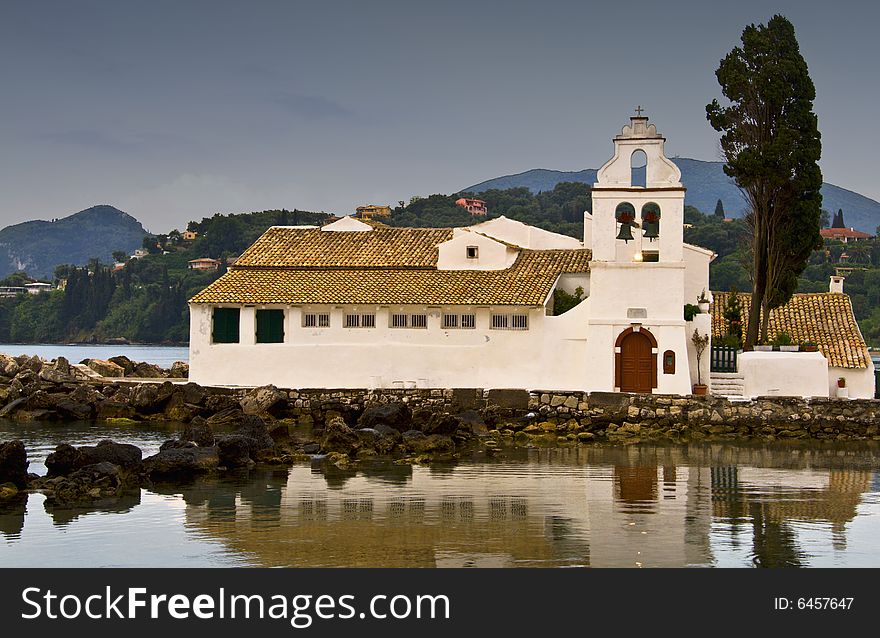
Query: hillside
(38, 246)
(706, 184)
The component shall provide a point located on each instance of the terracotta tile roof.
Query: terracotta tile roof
(526, 283)
(383, 247)
(840, 233)
(824, 318)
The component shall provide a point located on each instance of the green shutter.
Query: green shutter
(226, 324)
(270, 326)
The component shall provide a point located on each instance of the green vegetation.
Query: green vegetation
(560, 210)
(772, 146)
(564, 301)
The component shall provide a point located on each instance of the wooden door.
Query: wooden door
(636, 363)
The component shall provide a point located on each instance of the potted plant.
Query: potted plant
(785, 342)
(763, 347)
(842, 391)
(701, 342)
(703, 301)
(809, 346)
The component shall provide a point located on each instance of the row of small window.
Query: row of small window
(270, 323)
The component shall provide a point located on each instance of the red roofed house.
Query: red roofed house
(474, 206)
(839, 230)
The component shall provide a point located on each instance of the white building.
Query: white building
(362, 305)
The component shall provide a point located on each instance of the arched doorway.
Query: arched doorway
(636, 361)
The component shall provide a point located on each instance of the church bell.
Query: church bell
(651, 225)
(625, 232)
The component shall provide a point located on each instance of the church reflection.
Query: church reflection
(640, 505)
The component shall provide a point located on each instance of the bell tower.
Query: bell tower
(637, 269)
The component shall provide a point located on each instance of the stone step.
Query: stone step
(727, 384)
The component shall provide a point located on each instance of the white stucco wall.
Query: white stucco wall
(516, 232)
(550, 354)
(802, 374)
(859, 382)
(491, 254)
(696, 278)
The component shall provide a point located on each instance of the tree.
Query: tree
(771, 145)
(120, 256)
(719, 209)
(824, 218)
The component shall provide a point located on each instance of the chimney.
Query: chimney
(836, 284)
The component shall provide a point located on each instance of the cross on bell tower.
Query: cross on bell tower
(639, 110)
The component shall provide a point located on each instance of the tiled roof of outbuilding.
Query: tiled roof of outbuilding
(826, 319)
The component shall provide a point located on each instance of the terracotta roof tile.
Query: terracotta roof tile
(383, 247)
(826, 319)
(526, 283)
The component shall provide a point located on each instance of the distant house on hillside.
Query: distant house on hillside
(204, 263)
(371, 210)
(37, 287)
(189, 235)
(11, 291)
(840, 232)
(140, 252)
(476, 207)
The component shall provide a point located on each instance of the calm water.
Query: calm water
(636, 506)
(162, 356)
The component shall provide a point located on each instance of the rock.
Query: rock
(177, 408)
(442, 424)
(395, 415)
(107, 369)
(73, 410)
(195, 394)
(33, 364)
(13, 463)
(12, 406)
(433, 444)
(176, 444)
(64, 460)
(338, 437)
(109, 409)
(151, 397)
(86, 395)
(124, 455)
(311, 448)
(123, 362)
(181, 462)
(262, 400)
(388, 432)
(229, 415)
(145, 370)
(254, 431)
(233, 451)
(179, 370)
(57, 372)
(472, 420)
(199, 432)
(8, 366)
(216, 403)
(8, 491)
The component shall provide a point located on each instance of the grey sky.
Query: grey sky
(172, 111)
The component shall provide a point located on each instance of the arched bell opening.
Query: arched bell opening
(651, 231)
(625, 214)
(638, 162)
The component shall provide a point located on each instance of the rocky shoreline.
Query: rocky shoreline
(233, 428)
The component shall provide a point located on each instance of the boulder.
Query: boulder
(216, 403)
(107, 369)
(86, 395)
(431, 444)
(12, 406)
(57, 371)
(8, 366)
(179, 370)
(33, 364)
(181, 462)
(177, 409)
(254, 433)
(263, 400)
(195, 394)
(395, 415)
(388, 432)
(229, 415)
(442, 424)
(338, 437)
(311, 448)
(13, 463)
(70, 409)
(234, 451)
(109, 409)
(199, 432)
(145, 370)
(151, 397)
(124, 455)
(64, 460)
(123, 362)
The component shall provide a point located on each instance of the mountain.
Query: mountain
(38, 246)
(706, 183)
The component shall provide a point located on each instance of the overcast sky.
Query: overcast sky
(176, 110)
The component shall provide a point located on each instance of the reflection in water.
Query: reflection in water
(638, 505)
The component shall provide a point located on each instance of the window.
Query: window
(467, 321)
(398, 321)
(360, 321)
(420, 321)
(316, 320)
(225, 325)
(473, 252)
(270, 326)
(510, 322)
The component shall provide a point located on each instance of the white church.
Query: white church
(361, 305)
